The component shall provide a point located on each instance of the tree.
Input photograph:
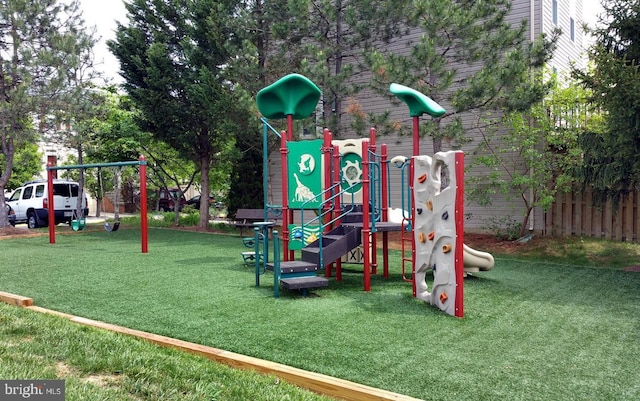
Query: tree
(455, 62)
(323, 40)
(82, 114)
(172, 57)
(533, 156)
(118, 137)
(327, 41)
(26, 165)
(97, 121)
(611, 165)
(40, 43)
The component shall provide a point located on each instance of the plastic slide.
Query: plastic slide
(475, 260)
(396, 215)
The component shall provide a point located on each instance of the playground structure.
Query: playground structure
(339, 192)
(79, 221)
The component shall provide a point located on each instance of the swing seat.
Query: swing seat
(109, 228)
(78, 225)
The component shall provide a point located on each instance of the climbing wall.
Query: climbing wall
(438, 198)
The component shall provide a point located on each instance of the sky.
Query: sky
(103, 14)
(590, 10)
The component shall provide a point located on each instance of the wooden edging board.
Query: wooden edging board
(13, 299)
(319, 383)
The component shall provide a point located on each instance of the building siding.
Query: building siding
(505, 207)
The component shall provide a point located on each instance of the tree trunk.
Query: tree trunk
(525, 222)
(205, 162)
(99, 202)
(437, 145)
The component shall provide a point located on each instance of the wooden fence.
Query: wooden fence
(574, 214)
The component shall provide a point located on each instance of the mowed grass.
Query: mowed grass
(533, 330)
(99, 365)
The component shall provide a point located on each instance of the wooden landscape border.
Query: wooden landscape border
(316, 382)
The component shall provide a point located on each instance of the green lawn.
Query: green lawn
(99, 365)
(533, 330)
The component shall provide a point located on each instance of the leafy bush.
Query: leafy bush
(504, 228)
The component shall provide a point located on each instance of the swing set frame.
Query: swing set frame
(142, 162)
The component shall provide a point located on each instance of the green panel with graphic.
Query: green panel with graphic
(351, 166)
(300, 237)
(305, 174)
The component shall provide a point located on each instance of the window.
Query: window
(26, 194)
(554, 11)
(40, 191)
(16, 195)
(572, 29)
(61, 190)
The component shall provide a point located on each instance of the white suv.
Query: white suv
(29, 202)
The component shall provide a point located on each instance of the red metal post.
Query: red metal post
(372, 139)
(366, 224)
(285, 234)
(144, 224)
(374, 235)
(459, 252)
(384, 164)
(326, 161)
(413, 226)
(289, 128)
(285, 196)
(337, 211)
(327, 177)
(416, 136)
(416, 152)
(51, 210)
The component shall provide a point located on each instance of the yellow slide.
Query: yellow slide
(475, 261)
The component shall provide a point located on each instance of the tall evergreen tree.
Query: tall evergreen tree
(43, 42)
(327, 41)
(467, 57)
(611, 163)
(173, 56)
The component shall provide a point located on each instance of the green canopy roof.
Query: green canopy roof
(292, 94)
(418, 103)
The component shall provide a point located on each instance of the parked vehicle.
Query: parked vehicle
(10, 214)
(30, 202)
(168, 198)
(195, 202)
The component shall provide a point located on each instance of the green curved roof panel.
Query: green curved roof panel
(418, 103)
(293, 94)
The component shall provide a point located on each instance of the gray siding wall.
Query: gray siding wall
(505, 206)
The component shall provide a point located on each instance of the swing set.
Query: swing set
(79, 222)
